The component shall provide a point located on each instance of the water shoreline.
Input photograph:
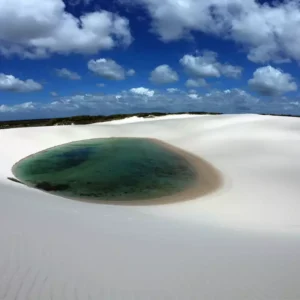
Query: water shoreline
(208, 179)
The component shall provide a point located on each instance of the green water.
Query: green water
(107, 169)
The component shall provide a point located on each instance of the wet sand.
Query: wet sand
(208, 179)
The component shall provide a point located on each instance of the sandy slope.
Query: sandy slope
(241, 242)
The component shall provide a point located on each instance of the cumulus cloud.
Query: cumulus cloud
(26, 107)
(67, 74)
(201, 66)
(271, 81)
(194, 96)
(266, 30)
(163, 74)
(194, 83)
(131, 72)
(230, 70)
(145, 100)
(172, 90)
(36, 29)
(10, 83)
(54, 94)
(107, 68)
(206, 65)
(142, 91)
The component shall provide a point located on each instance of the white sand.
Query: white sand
(241, 242)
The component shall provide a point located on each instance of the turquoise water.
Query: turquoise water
(112, 169)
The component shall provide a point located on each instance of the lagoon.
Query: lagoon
(108, 169)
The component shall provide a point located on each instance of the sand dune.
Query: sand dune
(240, 242)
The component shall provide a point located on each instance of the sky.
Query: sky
(98, 57)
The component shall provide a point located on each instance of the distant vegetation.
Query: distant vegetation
(80, 120)
(86, 119)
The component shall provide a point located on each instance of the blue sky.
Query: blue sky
(62, 58)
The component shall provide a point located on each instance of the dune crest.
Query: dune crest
(240, 241)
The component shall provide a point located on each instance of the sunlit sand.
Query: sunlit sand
(239, 239)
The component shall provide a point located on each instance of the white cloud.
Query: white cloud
(206, 65)
(142, 91)
(192, 91)
(163, 74)
(100, 84)
(4, 108)
(107, 68)
(193, 96)
(23, 108)
(36, 29)
(194, 83)
(131, 72)
(12, 84)
(271, 81)
(140, 100)
(268, 31)
(172, 90)
(230, 70)
(201, 66)
(54, 94)
(67, 74)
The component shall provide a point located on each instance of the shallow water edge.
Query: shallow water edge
(208, 178)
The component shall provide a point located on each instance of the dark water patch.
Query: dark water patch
(59, 159)
(14, 180)
(112, 169)
(50, 187)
